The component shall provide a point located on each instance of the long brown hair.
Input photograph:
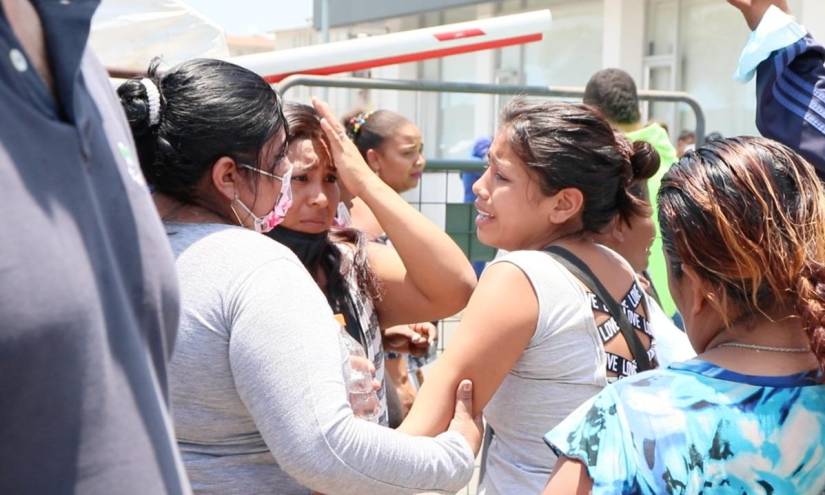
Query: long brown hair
(748, 215)
(305, 123)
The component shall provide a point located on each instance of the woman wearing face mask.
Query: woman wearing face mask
(743, 225)
(536, 342)
(392, 147)
(257, 392)
(632, 239)
(372, 285)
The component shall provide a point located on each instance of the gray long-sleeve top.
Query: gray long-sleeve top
(258, 396)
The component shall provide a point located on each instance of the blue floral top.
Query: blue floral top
(697, 428)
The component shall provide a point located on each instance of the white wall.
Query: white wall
(624, 36)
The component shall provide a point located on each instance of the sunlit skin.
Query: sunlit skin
(399, 160)
(505, 219)
(315, 190)
(497, 325)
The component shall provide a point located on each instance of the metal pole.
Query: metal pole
(484, 88)
(325, 36)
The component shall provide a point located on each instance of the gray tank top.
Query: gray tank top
(563, 365)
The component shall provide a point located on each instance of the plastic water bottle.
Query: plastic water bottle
(362, 397)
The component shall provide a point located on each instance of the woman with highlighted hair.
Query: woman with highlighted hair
(743, 221)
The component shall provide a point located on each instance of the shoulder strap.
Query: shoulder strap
(581, 271)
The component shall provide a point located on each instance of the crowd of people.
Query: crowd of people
(188, 262)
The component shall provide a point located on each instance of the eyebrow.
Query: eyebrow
(305, 168)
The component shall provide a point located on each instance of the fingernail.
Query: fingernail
(467, 386)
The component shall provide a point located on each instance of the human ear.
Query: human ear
(374, 160)
(225, 176)
(565, 205)
(699, 290)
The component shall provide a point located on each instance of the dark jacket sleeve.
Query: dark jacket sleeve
(790, 91)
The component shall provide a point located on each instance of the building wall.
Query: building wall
(685, 45)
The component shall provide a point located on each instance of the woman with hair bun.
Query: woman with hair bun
(743, 224)
(257, 390)
(534, 339)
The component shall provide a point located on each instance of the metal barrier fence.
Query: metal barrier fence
(439, 196)
(486, 88)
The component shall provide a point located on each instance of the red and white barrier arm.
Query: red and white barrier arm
(397, 48)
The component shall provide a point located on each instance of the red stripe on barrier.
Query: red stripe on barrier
(458, 35)
(410, 57)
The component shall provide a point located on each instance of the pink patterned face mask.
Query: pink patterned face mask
(272, 219)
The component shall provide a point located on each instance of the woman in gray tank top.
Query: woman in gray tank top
(534, 340)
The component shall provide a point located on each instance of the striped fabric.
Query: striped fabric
(790, 88)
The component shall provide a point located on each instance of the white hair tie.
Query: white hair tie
(153, 95)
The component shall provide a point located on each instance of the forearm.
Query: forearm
(434, 263)
(434, 403)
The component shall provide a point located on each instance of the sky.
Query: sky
(248, 17)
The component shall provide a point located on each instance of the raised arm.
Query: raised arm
(495, 328)
(790, 78)
(426, 275)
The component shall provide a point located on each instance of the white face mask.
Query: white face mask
(272, 219)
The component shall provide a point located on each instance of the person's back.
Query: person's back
(221, 441)
(88, 298)
(696, 427)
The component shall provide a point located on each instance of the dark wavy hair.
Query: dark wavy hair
(748, 215)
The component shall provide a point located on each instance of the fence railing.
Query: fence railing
(486, 88)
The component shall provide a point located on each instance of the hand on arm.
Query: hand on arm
(286, 362)
(415, 339)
